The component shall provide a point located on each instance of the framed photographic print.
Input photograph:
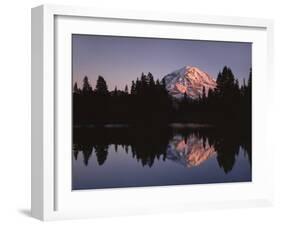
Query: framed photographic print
(137, 112)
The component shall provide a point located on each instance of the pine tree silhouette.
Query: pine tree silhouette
(101, 86)
(87, 88)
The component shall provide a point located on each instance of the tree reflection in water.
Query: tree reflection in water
(190, 147)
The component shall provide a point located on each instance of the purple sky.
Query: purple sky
(122, 59)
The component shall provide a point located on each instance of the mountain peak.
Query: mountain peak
(189, 80)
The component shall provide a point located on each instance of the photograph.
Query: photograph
(160, 112)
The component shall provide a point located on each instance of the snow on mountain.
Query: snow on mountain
(189, 80)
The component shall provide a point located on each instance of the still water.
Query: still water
(120, 156)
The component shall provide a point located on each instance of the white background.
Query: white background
(15, 112)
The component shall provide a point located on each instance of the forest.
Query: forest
(146, 101)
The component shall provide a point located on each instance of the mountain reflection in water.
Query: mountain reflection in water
(125, 157)
(191, 151)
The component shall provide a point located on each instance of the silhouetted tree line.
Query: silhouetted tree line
(147, 145)
(149, 101)
(228, 103)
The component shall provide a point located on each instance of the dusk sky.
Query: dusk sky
(122, 59)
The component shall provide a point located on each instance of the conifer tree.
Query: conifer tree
(151, 81)
(250, 81)
(87, 88)
(126, 90)
(133, 88)
(76, 90)
(101, 86)
(115, 91)
(204, 94)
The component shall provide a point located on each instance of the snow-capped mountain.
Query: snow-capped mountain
(189, 80)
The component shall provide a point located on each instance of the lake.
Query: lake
(116, 156)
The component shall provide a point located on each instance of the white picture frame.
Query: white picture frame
(52, 197)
